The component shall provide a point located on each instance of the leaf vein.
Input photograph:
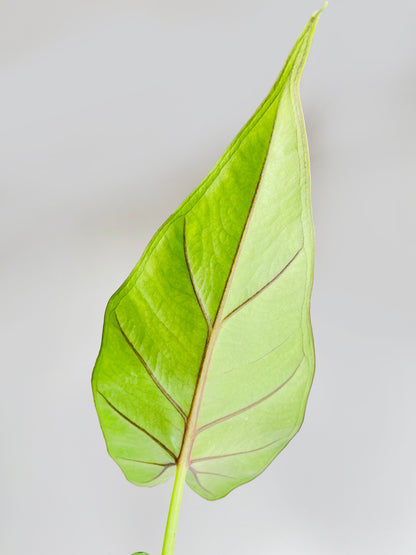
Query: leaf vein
(252, 405)
(191, 428)
(191, 277)
(195, 473)
(151, 373)
(158, 475)
(143, 462)
(236, 453)
(143, 430)
(215, 474)
(276, 277)
(263, 356)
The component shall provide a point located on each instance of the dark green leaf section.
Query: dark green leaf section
(210, 335)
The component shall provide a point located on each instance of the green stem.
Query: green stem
(174, 509)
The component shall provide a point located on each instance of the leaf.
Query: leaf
(207, 354)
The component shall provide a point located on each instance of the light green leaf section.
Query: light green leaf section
(207, 355)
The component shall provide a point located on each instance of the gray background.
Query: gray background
(112, 112)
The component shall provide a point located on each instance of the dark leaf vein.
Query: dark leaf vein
(143, 430)
(190, 430)
(236, 453)
(276, 277)
(195, 473)
(191, 276)
(151, 373)
(252, 405)
(158, 475)
(215, 474)
(143, 462)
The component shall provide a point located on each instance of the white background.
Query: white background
(111, 113)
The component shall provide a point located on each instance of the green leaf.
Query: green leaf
(207, 355)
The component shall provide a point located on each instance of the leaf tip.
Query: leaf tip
(317, 14)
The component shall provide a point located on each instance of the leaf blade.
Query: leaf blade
(202, 287)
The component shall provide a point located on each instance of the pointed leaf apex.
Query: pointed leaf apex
(318, 13)
(315, 17)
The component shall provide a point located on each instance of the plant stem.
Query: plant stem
(174, 509)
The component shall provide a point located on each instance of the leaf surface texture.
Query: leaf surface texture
(207, 350)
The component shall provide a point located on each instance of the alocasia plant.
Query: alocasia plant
(207, 355)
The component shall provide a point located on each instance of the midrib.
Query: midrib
(191, 426)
